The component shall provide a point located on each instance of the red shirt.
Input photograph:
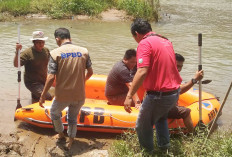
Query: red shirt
(158, 55)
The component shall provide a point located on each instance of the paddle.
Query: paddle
(205, 82)
(19, 73)
(218, 113)
(200, 68)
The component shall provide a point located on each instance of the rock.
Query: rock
(37, 16)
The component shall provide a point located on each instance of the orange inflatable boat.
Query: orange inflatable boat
(97, 115)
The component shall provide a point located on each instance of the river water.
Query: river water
(181, 21)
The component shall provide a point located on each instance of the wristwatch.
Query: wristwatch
(194, 81)
(138, 102)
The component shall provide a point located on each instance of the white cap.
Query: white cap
(38, 35)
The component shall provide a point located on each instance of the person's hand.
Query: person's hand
(127, 104)
(199, 75)
(18, 47)
(41, 100)
(137, 106)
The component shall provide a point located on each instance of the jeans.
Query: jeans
(154, 111)
(73, 110)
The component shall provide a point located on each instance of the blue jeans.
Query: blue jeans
(73, 110)
(154, 111)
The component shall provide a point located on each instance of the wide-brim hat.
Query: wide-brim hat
(38, 35)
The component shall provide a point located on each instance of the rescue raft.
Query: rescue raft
(96, 115)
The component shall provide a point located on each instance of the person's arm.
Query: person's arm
(52, 69)
(135, 97)
(185, 87)
(48, 84)
(136, 83)
(89, 73)
(89, 68)
(18, 47)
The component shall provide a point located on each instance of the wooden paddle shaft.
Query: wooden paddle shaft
(217, 116)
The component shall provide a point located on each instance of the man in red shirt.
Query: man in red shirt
(157, 70)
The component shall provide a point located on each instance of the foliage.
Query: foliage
(63, 8)
(89, 7)
(127, 145)
(55, 8)
(66, 8)
(140, 8)
(182, 145)
(15, 7)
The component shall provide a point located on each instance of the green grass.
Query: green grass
(140, 8)
(15, 7)
(56, 9)
(182, 145)
(66, 8)
(89, 7)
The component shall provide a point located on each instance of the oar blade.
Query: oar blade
(206, 81)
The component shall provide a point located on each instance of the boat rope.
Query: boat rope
(46, 112)
(203, 100)
(110, 115)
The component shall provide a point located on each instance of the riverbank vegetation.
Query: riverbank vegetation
(219, 144)
(59, 9)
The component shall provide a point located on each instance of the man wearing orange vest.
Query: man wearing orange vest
(67, 63)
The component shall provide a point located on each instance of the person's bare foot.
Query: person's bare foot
(70, 142)
(60, 137)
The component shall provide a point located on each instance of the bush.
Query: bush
(55, 8)
(140, 8)
(15, 7)
(65, 8)
(89, 7)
